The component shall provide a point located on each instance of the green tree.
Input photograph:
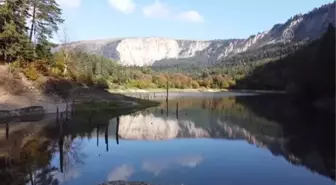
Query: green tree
(13, 39)
(46, 17)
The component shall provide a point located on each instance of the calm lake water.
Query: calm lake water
(213, 139)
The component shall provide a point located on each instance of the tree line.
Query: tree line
(26, 29)
(310, 71)
(27, 26)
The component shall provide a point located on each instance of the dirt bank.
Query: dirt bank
(17, 92)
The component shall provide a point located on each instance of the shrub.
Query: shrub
(56, 72)
(10, 84)
(232, 83)
(101, 83)
(59, 86)
(224, 84)
(41, 66)
(16, 64)
(194, 84)
(86, 79)
(31, 72)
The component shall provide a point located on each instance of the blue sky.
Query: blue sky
(182, 19)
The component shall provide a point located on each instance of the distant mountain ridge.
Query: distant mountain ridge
(154, 50)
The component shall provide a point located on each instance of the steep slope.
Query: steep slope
(309, 72)
(147, 51)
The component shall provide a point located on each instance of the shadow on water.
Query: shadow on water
(301, 135)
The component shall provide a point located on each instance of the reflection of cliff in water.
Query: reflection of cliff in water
(214, 118)
(302, 138)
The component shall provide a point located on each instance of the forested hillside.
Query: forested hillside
(25, 46)
(305, 68)
(309, 71)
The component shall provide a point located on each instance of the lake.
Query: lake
(204, 139)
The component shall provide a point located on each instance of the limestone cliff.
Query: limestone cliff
(147, 51)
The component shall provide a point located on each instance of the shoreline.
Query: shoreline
(158, 90)
(32, 103)
(161, 90)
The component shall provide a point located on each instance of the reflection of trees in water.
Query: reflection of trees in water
(27, 157)
(310, 132)
(208, 115)
(29, 164)
(69, 156)
(297, 132)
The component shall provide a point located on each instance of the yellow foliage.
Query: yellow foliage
(31, 72)
(54, 71)
(16, 64)
(232, 83)
(195, 84)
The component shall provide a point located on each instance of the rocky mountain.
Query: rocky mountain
(151, 51)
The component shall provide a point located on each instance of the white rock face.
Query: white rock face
(145, 51)
(149, 127)
(149, 51)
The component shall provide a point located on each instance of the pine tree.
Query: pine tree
(13, 30)
(45, 18)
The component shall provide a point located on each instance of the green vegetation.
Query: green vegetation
(310, 71)
(95, 70)
(28, 50)
(21, 43)
(274, 67)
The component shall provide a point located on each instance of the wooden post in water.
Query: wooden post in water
(167, 107)
(57, 115)
(106, 137)
(97, 135)
(177, 113)
(117, 130)
(60, 144)
(167, 91)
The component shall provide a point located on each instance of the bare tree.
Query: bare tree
(65, 50)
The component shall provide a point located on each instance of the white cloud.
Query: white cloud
(125, 6)
(162, 10)
(191, 16)
(122, 172)
(69, 3)
(156, 166)
(157, 10)
(68, 175)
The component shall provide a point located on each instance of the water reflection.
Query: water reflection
(156, 166)
(57, 150)
(122, 172)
